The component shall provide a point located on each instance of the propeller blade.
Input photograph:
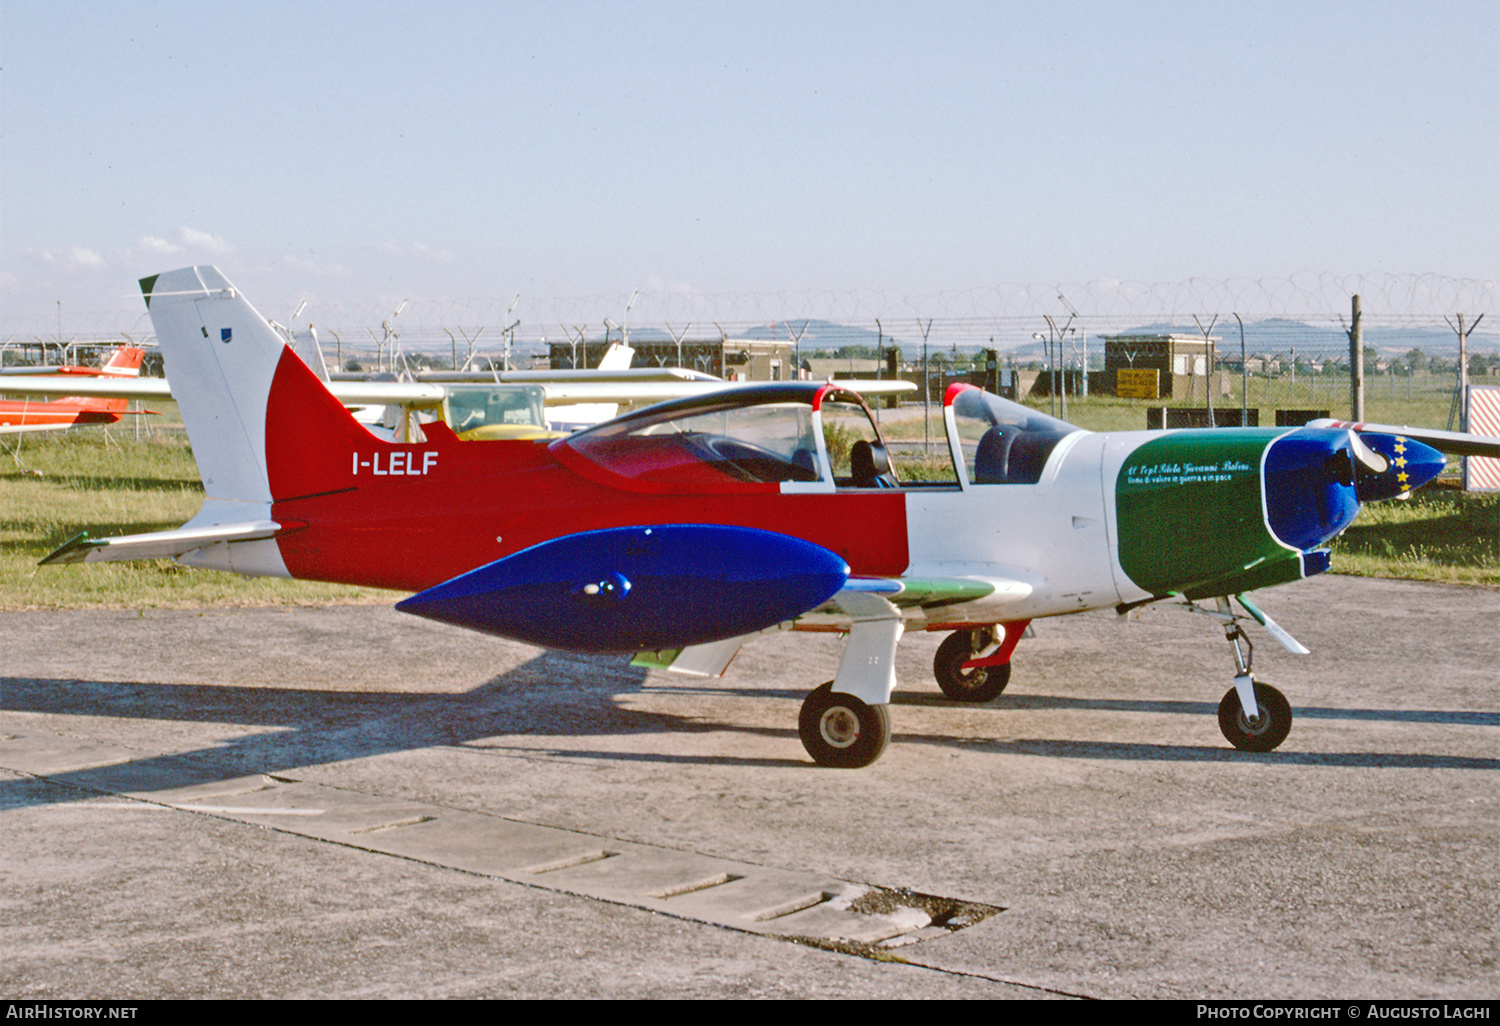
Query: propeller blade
(1369, 457)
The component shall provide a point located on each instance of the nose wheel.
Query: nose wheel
(840, 731)
(1261, 732)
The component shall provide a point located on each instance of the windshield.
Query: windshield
(476, 406)
(768, 442)
(1003, 442)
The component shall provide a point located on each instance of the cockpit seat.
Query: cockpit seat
(869, 465)
(992, 456)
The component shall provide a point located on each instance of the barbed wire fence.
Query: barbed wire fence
(1294, 331)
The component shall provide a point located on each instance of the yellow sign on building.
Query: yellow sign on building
(1137, 384)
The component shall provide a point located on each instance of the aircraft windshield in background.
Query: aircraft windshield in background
(682, 530)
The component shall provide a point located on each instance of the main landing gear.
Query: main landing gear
(841, 731)
(845, 723)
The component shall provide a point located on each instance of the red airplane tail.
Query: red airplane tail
(124, 362)
(264, 428)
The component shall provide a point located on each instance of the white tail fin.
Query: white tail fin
(305, 345)
(616, 357)
(221, 356)
(578, 415)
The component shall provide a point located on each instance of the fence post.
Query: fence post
(1356, 364)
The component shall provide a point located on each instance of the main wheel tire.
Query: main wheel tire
(841, 731)
(1269, 728)
(981, 684)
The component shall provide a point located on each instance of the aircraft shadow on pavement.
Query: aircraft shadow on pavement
(551, 695)
(573, 697)
(1146, 752)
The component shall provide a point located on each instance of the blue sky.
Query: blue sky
(361, 154)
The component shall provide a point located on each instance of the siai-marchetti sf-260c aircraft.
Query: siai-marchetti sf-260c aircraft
(683, 529)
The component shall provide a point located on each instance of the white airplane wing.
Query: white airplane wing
(575, 387)
(97, 387)
(538, 377)
(359, 393)
(1454, 443)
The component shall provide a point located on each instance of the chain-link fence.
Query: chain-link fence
(1267, 345)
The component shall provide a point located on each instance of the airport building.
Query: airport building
(1161, 366)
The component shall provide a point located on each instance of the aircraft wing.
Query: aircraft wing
(95, 386)
(541, 377)
(626, 391)
(356, 393)
(396, 393)
(875, 386)
(1454, 443)
(384, 393)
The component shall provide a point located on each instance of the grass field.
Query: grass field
(61, 484)
(84, 480)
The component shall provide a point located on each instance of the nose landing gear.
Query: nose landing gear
(1253, 717)
(1263, 731)
(841, 731)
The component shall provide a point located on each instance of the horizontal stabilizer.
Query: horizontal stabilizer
(157, 544)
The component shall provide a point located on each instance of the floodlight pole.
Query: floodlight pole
(625, 331)
(1356, 362)
(507, 333)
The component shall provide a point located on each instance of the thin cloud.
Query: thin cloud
(412, 250)
(207, 242)
(150, 245)
(302, 265)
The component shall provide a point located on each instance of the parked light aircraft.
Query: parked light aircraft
(570, 398)
(684, 529)
(77, 406)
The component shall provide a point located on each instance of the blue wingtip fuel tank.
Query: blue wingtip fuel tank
(636, 588)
